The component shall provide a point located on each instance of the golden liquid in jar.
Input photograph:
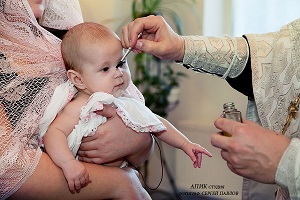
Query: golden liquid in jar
(226, 134)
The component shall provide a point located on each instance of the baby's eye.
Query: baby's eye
(105, 69)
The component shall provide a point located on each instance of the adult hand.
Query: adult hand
(158, 38)
(113, 140)
(252, 151)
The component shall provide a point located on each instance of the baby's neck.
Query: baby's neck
(87, 95)
(82, 94)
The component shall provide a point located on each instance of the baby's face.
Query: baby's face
(100, 73)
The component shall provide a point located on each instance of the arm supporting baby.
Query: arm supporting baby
(114, 140)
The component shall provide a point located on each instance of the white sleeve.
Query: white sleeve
(288, 171)
(222, 56)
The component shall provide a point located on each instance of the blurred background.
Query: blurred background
(199, 97)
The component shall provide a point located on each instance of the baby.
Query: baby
(91, 53)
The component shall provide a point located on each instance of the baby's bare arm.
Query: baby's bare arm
(175, 138)
(55, 139)
(172, 135)
(56, 146)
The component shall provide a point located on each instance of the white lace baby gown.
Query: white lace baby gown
(132, 111)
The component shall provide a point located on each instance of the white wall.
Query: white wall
(201, 96)
(109, 13)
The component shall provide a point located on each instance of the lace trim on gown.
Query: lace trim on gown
(132, 111)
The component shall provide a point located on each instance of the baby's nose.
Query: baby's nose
(118, 72)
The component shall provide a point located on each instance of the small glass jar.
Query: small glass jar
(230, 112)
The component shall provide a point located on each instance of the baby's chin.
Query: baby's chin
(118, 93)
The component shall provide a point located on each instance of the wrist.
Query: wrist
(65, 163)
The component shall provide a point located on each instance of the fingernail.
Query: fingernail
(139, 44)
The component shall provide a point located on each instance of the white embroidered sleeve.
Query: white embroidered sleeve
(222, 56)
(288, 172)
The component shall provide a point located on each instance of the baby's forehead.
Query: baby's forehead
(100, 39)
(105, 46)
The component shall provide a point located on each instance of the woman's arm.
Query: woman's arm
(48, 182)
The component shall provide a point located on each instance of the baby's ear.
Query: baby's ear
(76, 79)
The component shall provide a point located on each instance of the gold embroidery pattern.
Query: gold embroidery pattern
(292, 113)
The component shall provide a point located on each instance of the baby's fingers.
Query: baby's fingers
(197, 162)
(198, 157)
(85, 180)
(206, 152)
(78, 185)
(71, 186)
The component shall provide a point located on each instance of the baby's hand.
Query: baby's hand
(76, 175)
(195, 151)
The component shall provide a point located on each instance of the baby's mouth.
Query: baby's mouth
(120, 84)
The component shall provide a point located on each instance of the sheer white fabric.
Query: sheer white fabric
(30, 69)
(61, 14)
(131, 110)
(62, 95)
